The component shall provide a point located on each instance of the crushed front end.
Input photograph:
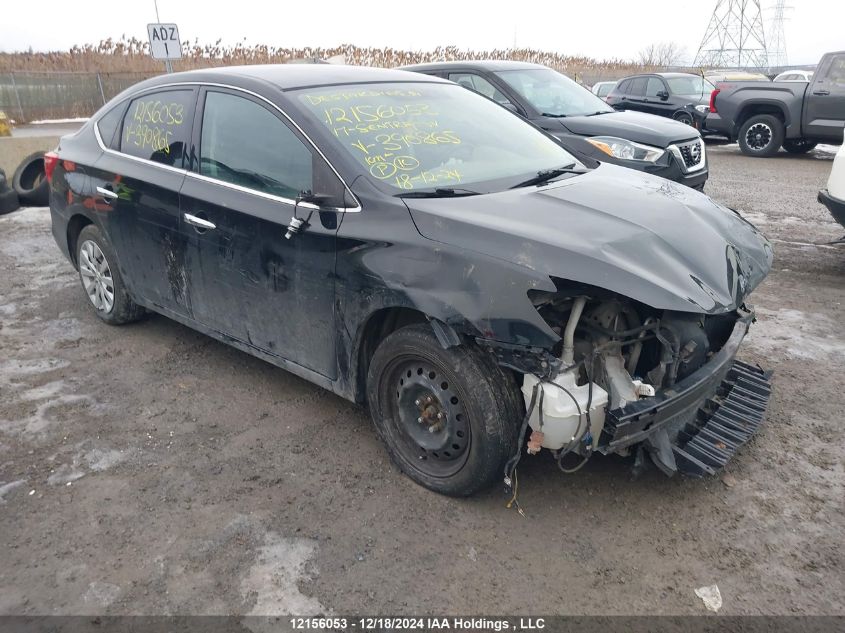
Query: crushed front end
(665, 384)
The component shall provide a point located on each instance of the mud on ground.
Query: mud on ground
(147, 469)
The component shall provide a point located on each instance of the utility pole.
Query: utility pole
(168, 67)
(734, 37)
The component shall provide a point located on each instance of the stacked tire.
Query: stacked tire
(29, 186)
(8, 197)
(30, 181)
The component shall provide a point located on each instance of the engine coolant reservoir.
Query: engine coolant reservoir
(560, 415)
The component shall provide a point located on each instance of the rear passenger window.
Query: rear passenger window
(624, 86)
(247, 145)
(157, 127)
(638, 86)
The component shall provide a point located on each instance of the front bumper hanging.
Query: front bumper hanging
(696, 426)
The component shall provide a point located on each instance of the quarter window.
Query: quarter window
(108, 126)
(247, 145)
(157, 127)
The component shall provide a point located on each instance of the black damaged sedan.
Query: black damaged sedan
(414, 247)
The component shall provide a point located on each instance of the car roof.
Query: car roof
(291, 76)
(664, 75)
(478, 64)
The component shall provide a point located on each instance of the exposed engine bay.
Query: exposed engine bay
(621, 359)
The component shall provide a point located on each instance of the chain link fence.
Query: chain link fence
(37, 96)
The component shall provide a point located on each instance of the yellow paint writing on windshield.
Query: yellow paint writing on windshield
(398, 135)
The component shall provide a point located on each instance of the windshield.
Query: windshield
(553, 94)
(689, 86)
(425, 136)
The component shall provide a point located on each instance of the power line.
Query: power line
(734, 37)
(777, 41)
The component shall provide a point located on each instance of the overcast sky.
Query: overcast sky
(596, 28)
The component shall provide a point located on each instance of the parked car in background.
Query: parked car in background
(603, 88)
(585, 124)
(412, 246)
(680, 96)
(795, 75)
(789, 114)
(833, 196)
(715, 76)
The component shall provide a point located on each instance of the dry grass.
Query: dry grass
(132, 55)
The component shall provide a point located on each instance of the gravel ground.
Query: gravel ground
(148, 469)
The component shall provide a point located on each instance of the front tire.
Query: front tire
(761, 136)
(101, 280)
(798, 146)
(448, 417)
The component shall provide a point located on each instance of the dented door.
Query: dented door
(246, 280)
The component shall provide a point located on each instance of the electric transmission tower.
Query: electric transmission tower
(777, 40)
(734, 36)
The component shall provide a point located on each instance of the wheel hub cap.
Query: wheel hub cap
(758, 136)
(96, 276)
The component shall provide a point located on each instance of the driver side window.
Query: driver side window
(245, 144)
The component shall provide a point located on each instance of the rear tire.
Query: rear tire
(411, 380)
(101, 280)
(798, 146)
(685, 118)
(761, 136)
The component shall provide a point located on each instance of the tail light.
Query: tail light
(713, 100)
(51, 159)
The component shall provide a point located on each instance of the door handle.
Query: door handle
(821, 93)
(200, 223)
(107, 193)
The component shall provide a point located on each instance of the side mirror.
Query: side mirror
(663, 95)
(327, 194)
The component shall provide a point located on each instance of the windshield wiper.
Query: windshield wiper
(545, 175)
(554, 116)
(597, 112)
(439, 192)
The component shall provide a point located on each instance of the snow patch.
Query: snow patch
(7, 488)
(810, 336)
(272, 582)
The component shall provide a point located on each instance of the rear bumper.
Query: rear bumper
(696, 426)
(834, 205)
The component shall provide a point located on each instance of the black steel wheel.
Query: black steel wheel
(449, 417)
(761, 135)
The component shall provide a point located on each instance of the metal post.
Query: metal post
(17, 97)
(100, 84)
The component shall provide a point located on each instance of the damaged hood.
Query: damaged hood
(643, 237)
